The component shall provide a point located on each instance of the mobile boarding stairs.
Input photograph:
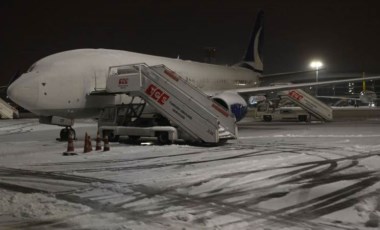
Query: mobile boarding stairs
(7, 111)
(188, 109)
(312, 105)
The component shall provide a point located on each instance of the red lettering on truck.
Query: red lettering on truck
(295, 95)
(157, 94)
(123, 82)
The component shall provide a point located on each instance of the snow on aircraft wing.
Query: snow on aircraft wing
(262, 89)
(346, 98)
(340, 97)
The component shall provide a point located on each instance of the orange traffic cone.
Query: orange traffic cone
(106, 144)
(70, 147)
(89, 143)
(98, 144)
(85, 147)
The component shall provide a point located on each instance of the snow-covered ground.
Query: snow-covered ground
(276, 176)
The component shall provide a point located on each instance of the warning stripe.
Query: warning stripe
(171, 74)
(221, 110)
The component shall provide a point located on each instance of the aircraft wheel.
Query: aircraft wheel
(64, 134)
(267, 118)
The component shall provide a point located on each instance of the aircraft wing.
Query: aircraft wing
(263, 89)
(346, 98)
(339, 97)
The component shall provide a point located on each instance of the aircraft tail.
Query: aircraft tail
(364, 86)
(253, 58)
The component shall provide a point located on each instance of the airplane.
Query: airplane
(366, 96)
(61, 85)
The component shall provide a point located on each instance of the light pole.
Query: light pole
(316, 65)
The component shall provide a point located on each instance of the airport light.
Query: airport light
(316, 65)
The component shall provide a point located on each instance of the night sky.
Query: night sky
(345, 35)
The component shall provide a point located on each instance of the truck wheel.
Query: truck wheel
(302, 117)
(267, 118)
(134, 138)
(111, 136)
(163, 138)
(223, 141)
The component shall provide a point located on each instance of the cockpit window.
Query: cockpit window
(31, 68)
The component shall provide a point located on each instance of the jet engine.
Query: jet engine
(233, 102)
(367, 96)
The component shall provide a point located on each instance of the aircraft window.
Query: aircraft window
(31, 68)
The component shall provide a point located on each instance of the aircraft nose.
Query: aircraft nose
(24, 92)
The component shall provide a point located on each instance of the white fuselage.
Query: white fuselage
(59, 85)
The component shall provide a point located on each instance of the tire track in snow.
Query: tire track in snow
(39, 181)
(216, 203)
(175, 163)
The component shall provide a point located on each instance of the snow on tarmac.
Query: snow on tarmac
(276, 176)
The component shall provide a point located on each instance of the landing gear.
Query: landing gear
(66, 132)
